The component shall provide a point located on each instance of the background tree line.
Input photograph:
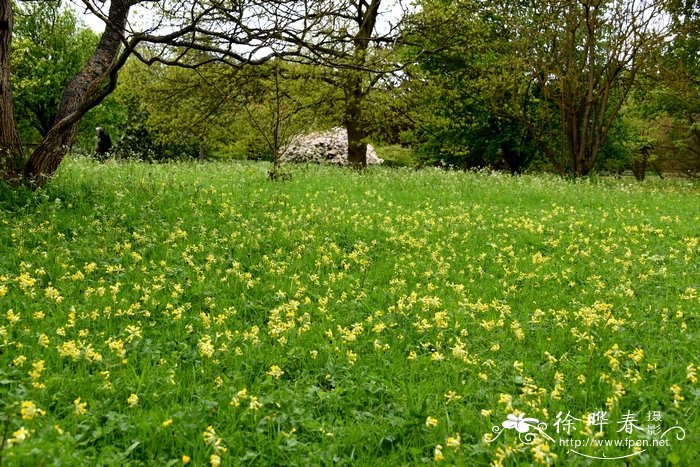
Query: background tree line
(569, 87)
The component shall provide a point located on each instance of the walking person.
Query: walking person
(104, 144)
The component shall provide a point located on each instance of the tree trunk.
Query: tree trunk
(639, 164)
(367, 13)
(11, 156)
(78, 98)
(357, 146)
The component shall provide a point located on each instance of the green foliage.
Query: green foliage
(671, 104)
(505, 83)
(197, 307)
(136, 140)
(49, 47)
(460, 110)
(232, 112)
(396, 155)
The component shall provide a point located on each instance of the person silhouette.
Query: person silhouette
(104, 143)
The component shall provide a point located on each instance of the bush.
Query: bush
(396, 155)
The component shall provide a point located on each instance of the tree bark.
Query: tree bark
(11, 155)
(366, 19)
(357, 146)
(78, 98)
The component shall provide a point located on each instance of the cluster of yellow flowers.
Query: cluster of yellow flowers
(216, 443)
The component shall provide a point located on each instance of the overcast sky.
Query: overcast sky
(91, 20)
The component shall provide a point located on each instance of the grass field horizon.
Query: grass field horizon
(201, 314)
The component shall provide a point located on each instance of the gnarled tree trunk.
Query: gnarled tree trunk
(367, 14)
(11, 155)
(83, 92)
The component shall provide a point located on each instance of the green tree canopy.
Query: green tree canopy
(50, 45)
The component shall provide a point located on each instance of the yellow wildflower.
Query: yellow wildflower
(254, 404)
(29, 410)
(275, 371)
(451, 396)
(206, 348)
(134, 333)
(79, 408)
(437, 453)
(43, 340)
(352, 357)
(454, 441)
(677, 397)
(18, 436)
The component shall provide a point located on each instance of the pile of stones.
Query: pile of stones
(329, 147)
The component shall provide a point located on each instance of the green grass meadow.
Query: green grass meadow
(201, 314)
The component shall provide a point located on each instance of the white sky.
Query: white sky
(392, 10)
(88, 18)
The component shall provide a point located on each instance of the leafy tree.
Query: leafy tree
(562, 70)
(50, 46)
(673, 103)
(461, 116)
(353, 40)
(177, 117)
(249, 112)
(583, 58)
(283, 100)
(235, 33)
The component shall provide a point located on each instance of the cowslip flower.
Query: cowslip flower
(451, 396)
(133, 400)
(677, 397)
(43, 340)
(431, 422)
(205, 346)
(29, 410)
(18, 436)
(454, 441)
(254, 404)
(79, 408)
(211, 439)
(437, 453)
(275, 371)
(134, 332)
